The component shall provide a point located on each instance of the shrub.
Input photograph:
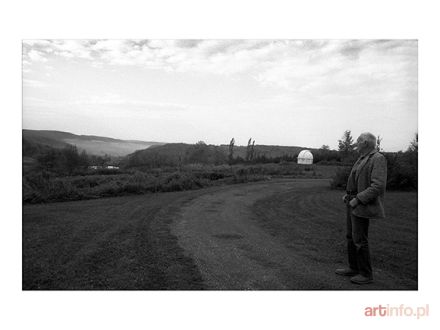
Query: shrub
(46, 186)
(402, 170)
(61, 190)
(339, 180)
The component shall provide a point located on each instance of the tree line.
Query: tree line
(402, 166)
(64, 161)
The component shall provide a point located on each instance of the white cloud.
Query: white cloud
(36, 56)
(42, 50)
(294, 65)
(33, 83)
(106, 100)
(72, 48)
(117, 100)
(344, 67)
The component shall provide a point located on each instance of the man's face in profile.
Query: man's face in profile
(361, 144)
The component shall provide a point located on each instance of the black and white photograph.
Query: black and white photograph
(220, 164)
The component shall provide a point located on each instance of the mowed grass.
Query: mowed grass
(114, 243)
(313, 224)
(125, 242)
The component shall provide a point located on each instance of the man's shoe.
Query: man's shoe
(361, 279)
(346, 272)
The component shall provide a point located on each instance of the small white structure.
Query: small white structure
(305, 157)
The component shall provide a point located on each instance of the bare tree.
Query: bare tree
(231, 150)
(250, 150)
(253, 150)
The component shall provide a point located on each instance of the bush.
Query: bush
(339, 180)
(402, 172)
(39, 187)
(30, 194)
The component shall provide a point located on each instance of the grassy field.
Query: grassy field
(314, 227)
(126, 242)
(113, 243)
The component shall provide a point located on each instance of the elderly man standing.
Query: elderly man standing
(365, 192)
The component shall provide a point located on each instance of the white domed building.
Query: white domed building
(305, 157)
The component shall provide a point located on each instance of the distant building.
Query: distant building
(305, 157)
(106, 167)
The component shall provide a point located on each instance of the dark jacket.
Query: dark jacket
(368, 179)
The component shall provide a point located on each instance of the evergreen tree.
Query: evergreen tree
(346, 144)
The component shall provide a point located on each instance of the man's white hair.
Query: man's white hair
(370, 138)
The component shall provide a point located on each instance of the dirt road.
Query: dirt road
(237, 248)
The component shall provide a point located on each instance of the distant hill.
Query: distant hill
(172, 154)
(94, 145)
(179, 153)
(269, 151)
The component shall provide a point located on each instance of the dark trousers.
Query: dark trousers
(357, 244)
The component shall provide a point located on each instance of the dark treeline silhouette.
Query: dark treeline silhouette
(65, 173)
(62, 161)
(176, 154)
(402, 166)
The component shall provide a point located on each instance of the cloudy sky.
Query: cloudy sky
(283, 92)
